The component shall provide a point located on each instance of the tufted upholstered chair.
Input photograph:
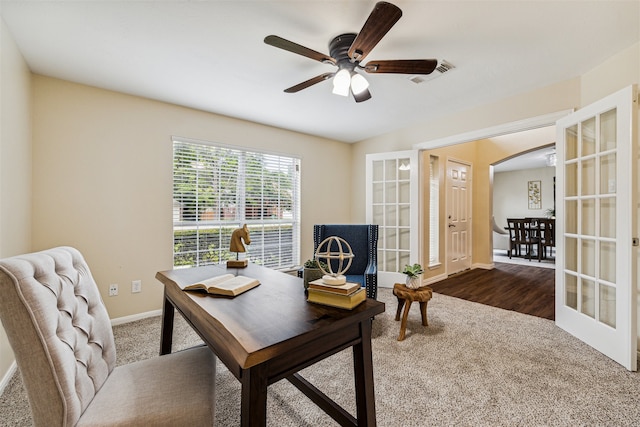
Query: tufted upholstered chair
(363, 239)
(62, 339)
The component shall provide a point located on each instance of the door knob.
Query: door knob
(451, 225)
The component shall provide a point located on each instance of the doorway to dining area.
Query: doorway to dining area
(524, 194)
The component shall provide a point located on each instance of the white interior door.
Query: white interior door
(596, 223)
(392, 203)
(458, 221)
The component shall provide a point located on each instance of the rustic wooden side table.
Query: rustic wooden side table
(407, 296)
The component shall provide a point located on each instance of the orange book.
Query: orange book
(337, 300)
(346, 289)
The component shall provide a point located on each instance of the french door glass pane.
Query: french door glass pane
(403, 169)
(571, 216)
(403, 259)
(378, 192)
(403, 192)
(390, 216)
(608, 131)
(588, 177)
(390, 258)
(588, 297)
(404, 241)
(378, 214)
(404, 215)
(571, 250)
(588, 137)
(378, 170)
(390, 192)
(608, 174)
(588, 221)
(571, 142)
(588, 252)
(571, 291)
(608, 261)
(608, 305)
(390, 167)
(608, 217)
(390, 238)
(571, 180)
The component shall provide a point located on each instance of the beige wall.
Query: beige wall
(616, 73)
(510, 193)
(15, 161)
(103, 180)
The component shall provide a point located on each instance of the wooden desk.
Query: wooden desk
(270, 333)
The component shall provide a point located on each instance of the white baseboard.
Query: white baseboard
(134, 317)
(434, 279)
(7, 376)
(489, 266)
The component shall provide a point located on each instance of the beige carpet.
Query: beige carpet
(473, 366)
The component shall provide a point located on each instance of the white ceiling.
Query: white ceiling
(529, 160)
(210, 55)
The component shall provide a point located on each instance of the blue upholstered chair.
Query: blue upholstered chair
(363, 239)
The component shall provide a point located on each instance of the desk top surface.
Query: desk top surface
(263, 322)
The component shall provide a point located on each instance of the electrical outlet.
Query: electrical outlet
(113, 290)
(136, 286)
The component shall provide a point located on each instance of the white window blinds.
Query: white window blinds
(217, 189)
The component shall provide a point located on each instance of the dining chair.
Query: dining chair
(547, 236)
(522, 233)
(61, 336)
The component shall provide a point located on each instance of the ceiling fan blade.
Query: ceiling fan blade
(402, 66)
(299, 49)
(379, 22)
(310, 82)
(362, 96)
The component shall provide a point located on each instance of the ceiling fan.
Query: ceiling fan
(347, 51)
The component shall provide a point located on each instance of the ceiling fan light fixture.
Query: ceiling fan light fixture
(341, 83)
(358, 83)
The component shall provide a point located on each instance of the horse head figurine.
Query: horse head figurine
(239, 236)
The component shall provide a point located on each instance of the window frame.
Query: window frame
(275, 240)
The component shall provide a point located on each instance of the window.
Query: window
(434, 212)
(217, 189)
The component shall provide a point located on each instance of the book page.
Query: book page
(203, 284)
(237, 282)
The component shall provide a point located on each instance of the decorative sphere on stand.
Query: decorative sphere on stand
(334, 248)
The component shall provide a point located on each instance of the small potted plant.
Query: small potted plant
(413, 273)
(311, 271)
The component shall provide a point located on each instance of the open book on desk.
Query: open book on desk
(227, 284)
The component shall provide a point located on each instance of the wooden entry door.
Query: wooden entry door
(458, 221)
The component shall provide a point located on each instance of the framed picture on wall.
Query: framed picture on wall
(535, 195)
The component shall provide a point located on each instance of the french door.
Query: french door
(392, 203)
(596, 281)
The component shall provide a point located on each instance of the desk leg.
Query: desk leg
(254, 397)
(363, 370)
(166, 332)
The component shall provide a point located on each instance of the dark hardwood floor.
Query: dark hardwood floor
(529, 290)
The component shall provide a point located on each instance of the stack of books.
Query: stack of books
(346, 296)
